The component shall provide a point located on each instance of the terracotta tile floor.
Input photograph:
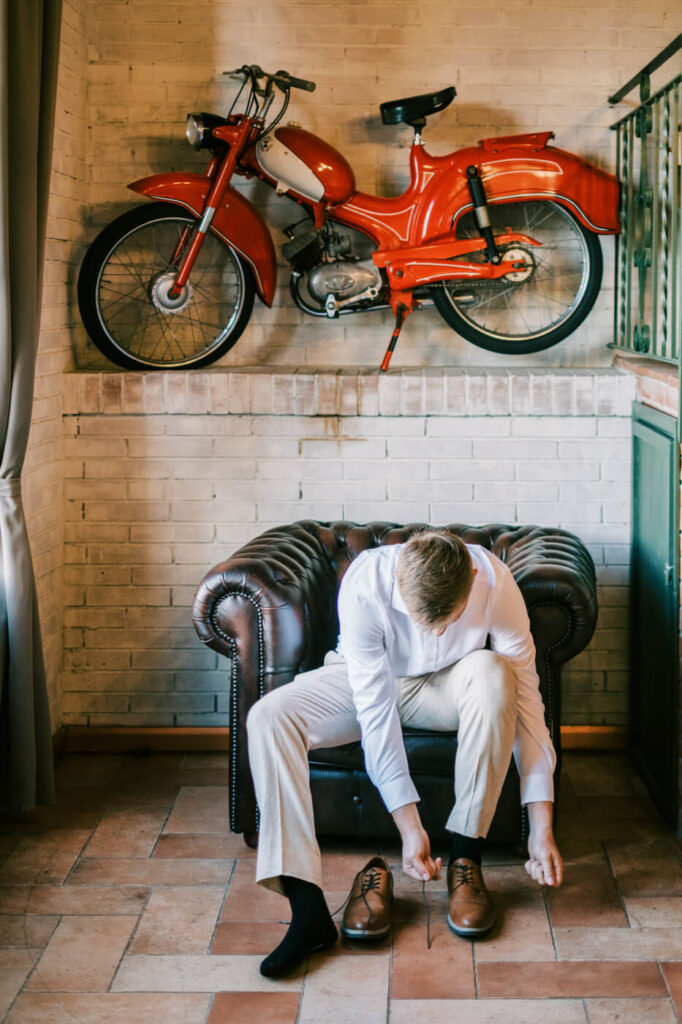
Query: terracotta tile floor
(131, 902)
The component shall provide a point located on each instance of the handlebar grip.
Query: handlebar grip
(301, 83)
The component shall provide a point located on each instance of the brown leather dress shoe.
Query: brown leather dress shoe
(368, 911)
(471, 912)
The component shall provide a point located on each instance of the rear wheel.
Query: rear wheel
(545, 302)
(124, 292)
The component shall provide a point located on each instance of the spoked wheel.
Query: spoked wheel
(541, 304)
(124, 292)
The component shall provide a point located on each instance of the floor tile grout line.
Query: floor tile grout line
(163, 826)
(616, 882)
(133, 932)
(228, 883)
(82, 850)
(667, 988)
(25, 981)
(209, 1008)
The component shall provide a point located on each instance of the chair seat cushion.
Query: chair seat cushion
(432, 752)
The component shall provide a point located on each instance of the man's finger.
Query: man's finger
(536, 871)
(547, 869)
(558, 869)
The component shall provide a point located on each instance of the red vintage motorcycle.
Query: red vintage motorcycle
(502, 237)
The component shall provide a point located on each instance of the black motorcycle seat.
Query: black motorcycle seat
(414, 108)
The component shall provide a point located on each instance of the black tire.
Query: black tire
(518, 317)
(131, 260)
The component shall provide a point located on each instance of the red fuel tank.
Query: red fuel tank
(330, 168)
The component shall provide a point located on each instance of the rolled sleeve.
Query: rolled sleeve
(537, 787)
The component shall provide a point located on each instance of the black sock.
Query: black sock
(311, 928)
(465, 846)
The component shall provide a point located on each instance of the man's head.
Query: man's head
(435, 575)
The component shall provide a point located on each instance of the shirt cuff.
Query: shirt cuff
(537, 787)
(398, 792)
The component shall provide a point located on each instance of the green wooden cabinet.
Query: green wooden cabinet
(654, 709)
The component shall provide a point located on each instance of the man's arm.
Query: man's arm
(373, 689)
(533, 750)
(417, 860)
(544, 863)
(511, 637)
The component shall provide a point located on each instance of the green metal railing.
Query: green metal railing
(648, 251)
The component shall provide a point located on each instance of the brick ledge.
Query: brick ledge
(300, 392)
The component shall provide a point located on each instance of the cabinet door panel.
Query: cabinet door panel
(654, 662)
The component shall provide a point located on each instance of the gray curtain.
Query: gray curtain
(29, 43)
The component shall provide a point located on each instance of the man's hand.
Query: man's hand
(417, 860)
(545, 863)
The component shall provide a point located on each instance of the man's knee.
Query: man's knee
(266, 715)
(493, 680)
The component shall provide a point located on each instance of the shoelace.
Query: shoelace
(428, 916)
(464, 875)
(370, 880)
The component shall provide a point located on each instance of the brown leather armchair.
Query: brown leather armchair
(271, 609)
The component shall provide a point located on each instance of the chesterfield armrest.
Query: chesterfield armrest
(555, 574)
(271, 609)
(552, 567)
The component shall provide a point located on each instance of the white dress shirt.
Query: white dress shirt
(380, 642)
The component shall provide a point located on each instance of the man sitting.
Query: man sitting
(415, 619)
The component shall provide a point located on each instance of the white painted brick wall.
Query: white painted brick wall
(154, 499)
(521, 66)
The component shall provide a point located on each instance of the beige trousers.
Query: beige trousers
(476, 696)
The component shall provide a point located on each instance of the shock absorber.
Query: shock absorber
(481, 213)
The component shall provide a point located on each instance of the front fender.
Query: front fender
(515, 173)
(237, 222)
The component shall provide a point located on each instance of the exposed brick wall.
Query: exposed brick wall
(524, 65)
(43, 471)
(167, 474)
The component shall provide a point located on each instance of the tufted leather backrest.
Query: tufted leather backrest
(344, 541)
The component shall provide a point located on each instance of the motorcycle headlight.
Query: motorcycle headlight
(194, 130)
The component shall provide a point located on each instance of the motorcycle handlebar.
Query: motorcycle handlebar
(302, 83)
(281, 78)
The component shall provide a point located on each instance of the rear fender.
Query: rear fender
(236, 221)
(512, 172)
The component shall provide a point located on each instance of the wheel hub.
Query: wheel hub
(163, 300)
(526, 261)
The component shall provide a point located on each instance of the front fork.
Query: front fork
(213, 201)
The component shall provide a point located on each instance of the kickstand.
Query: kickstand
(400, 314)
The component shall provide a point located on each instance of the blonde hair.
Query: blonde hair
(434, 575)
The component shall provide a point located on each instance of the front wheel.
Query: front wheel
(124, 292)
(547, 300)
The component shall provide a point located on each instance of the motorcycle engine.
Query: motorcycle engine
(343, 279)
(331, 270)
